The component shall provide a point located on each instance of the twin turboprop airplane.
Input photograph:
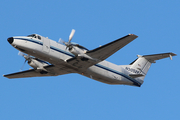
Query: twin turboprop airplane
(50, 58)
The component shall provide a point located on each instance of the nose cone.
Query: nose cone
(10, 40)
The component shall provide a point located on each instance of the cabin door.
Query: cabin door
(46, 45)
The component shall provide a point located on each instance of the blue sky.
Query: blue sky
(96, 23)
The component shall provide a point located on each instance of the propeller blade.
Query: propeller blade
(71, 35)
(21, 53)
(23, 65)
(27, 57)
(61, 41)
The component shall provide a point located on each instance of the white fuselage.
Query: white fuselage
(57, 54)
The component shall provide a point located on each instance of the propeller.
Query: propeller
(23, 65)
(68, 44)
(27, 58)
(61, 41)
(71, 35)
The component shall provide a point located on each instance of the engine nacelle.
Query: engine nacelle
(77, 50)
(74, 51)
(37, 64)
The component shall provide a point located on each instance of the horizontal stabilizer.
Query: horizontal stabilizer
(141, 65)
(136, 75)
(153, 58)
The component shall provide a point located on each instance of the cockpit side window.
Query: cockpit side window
(39, 37)
(34, 36)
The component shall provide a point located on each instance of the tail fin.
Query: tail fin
(143, 63)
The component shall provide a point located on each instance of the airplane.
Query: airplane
(51, 58)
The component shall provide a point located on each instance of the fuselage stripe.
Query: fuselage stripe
(58, 50)
(30, 40)
(54, 48)
(119, 73)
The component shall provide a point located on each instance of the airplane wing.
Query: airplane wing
(103, 52)
(52, 71)
(81, 62)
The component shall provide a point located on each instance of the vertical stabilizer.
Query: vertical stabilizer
(143, 63)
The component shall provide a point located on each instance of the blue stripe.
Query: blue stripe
(62, 51)
(119, 73)
(51, 47)
(97, 65)
(30, 40)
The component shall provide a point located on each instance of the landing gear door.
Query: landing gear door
(46, 45)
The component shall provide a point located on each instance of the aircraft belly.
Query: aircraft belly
(102, 76)
(107, 75)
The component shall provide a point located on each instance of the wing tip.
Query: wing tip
(172, 54)
(132, 35)
(6, 76)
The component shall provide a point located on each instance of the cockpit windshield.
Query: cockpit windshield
(35, 36)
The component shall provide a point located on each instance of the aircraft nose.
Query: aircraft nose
(10, 40)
